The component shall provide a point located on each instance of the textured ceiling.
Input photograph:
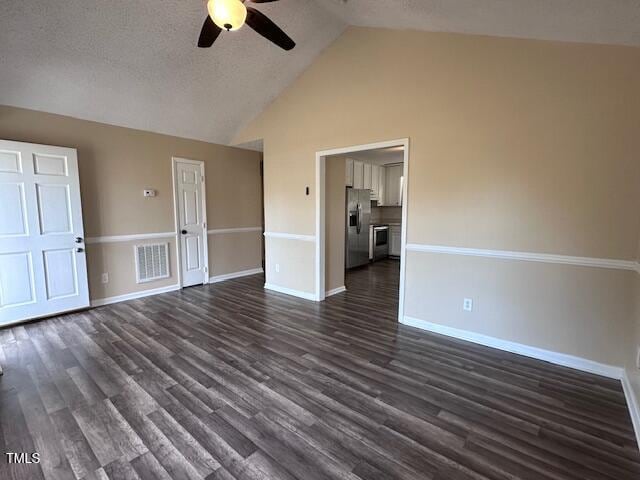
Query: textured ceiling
(134, 63)
(590, 21)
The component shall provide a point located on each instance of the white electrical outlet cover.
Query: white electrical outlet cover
(467, 304)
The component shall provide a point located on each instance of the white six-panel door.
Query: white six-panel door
(191, 223)
(43, 268)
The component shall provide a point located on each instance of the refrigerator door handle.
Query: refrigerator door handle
(359, 219)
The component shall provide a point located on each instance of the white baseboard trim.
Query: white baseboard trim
(633, 403)
(335, 291)
(290, 291)
(526, 256)
(229, 276)
(132, 296)
(563, 359)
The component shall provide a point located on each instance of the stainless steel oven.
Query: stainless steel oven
(380, 242)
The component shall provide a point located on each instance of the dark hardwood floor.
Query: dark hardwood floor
(231, 381)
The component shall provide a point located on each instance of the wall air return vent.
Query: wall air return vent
(152, 262)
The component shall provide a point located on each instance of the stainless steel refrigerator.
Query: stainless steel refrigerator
(358, 220)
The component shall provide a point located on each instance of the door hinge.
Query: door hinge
(206, 269)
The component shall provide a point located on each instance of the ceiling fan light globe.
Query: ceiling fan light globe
(227, 14)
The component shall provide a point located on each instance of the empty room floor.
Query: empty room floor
(231, 381)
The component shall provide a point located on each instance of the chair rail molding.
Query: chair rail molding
(221, 231)
(290, 236)
(527, 256)
(128, 238)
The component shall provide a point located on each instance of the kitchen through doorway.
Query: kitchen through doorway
(364, 220)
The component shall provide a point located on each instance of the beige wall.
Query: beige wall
(117, 260)
(235, 252)
(116, 164)
(335, 198)
(295, 259)
(571, 309)
(515, 144)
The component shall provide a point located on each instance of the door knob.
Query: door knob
(79, 250)
(184, 232)
(78, 239)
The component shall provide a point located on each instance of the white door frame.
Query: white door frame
(320, 213)
(176, 217)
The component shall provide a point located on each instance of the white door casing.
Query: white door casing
(43, 266)
(320, 263)
(191, 227)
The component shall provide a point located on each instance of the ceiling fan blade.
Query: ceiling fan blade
(209, 33)
(269, 30)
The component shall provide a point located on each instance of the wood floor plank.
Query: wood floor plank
(54, 462)
(148, 468)
(76, 447)
(120, 470)
(198, 456)
(233, 382)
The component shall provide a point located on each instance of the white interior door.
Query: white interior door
(43, 267)
(192, 227)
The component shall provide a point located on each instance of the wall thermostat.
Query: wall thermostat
(149, 193)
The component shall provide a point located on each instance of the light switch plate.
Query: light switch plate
(149, 193)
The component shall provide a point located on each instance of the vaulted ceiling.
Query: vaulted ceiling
(135, 64)
(589, 21)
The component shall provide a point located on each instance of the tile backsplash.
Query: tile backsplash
(386, 214)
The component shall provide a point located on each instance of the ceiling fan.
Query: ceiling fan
(230, 15)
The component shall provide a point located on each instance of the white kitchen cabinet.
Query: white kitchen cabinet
(358, 174)
(349, 172)
(381, 186)
(393, 185)
(375, 182)
(395, 240)
(366, 182)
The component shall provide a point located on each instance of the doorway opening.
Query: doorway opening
(361, 220)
